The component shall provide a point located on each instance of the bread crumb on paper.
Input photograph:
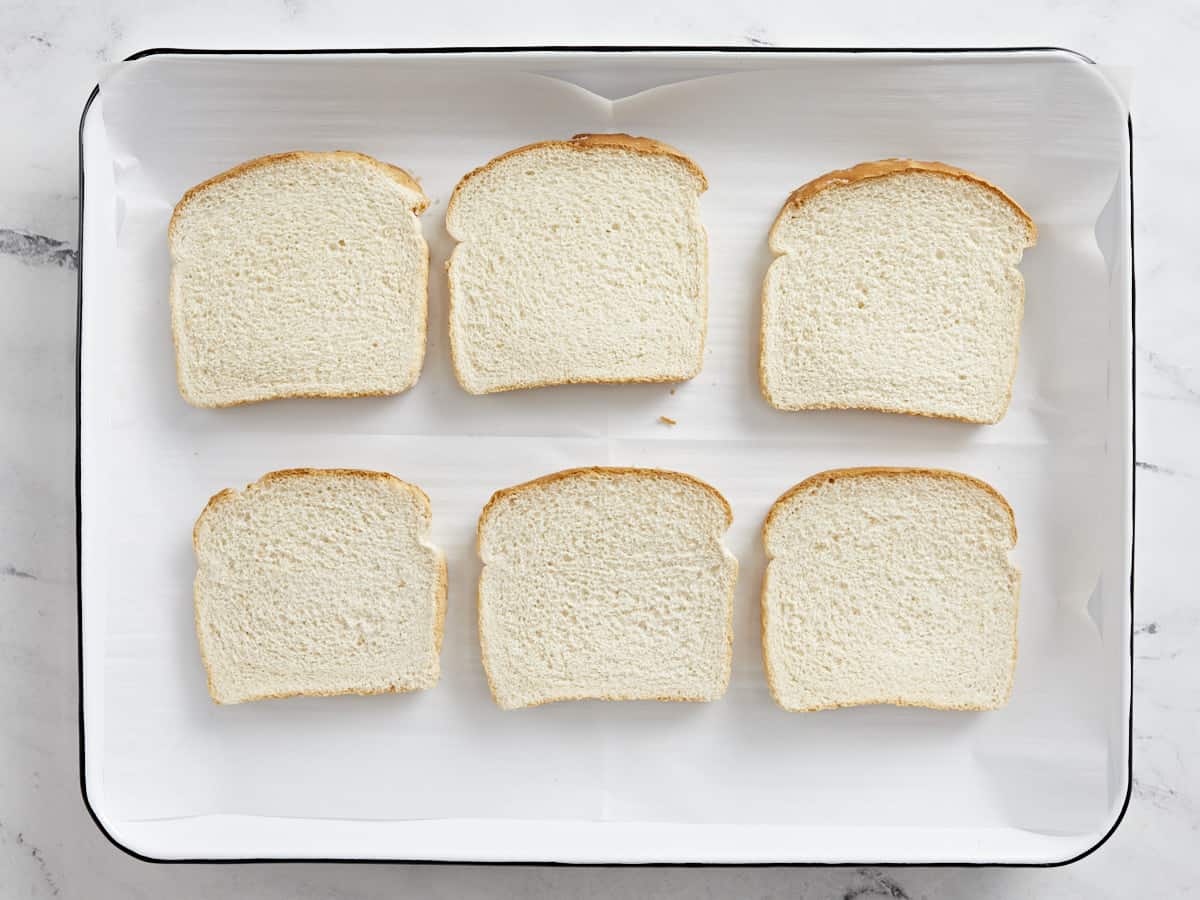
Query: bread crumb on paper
(667, 420)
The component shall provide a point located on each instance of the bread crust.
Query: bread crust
(883, 168)
(583, 141)
(439, 619)
(829, 476)
(396, 174)
(602, 471)
(865, 172)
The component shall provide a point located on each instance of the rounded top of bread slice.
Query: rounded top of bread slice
(890, 168)
(299, 159)
(387, 481)
(600, 473)
(814, 483)
(582, 143)
(302, 274)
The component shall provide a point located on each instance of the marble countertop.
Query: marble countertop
(49, 57)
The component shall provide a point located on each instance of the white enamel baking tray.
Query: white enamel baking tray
(444, 775)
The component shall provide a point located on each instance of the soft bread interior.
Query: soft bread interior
(318, 582)
(898, 293)
(577, 264)
(303, 274)
(606, 583)
(890, 586)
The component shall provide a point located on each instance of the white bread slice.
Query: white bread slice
(299, 275)
(580, 261)
(318, 582)
(606, 583)
(897, 290)
(890, 586)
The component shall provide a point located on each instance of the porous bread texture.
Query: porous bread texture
(606, 583)
(318, 582)
(299, 275)
(890, 586)
(580, 261)
(896, 289)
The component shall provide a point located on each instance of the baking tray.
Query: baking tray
(169, 777)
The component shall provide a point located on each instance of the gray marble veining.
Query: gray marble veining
(37, 249)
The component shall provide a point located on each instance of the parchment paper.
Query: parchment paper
(1044, 130)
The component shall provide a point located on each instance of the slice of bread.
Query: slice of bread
(890, 586)
(580, 261)
(318, 582)
(896, 289)
(299, 275)
(611, 584)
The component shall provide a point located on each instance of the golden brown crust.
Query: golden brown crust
(644, 145)
(483, 644)
(1012, 378)
(394, 172)
(831, 475)
(208, 673)
(566, 698)
(885, 167)
(889, 701)
(762, 337)
(282, 474)
(301, 395)
(1012, 669)
(439, 613)
(922, 414)
(390, 689)
(828, 477)
(527, 386)
(500, 495)
(397, 174)
(603, 472)
(865, 172)
(585, 141)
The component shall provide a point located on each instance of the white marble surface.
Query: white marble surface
(49, 54)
